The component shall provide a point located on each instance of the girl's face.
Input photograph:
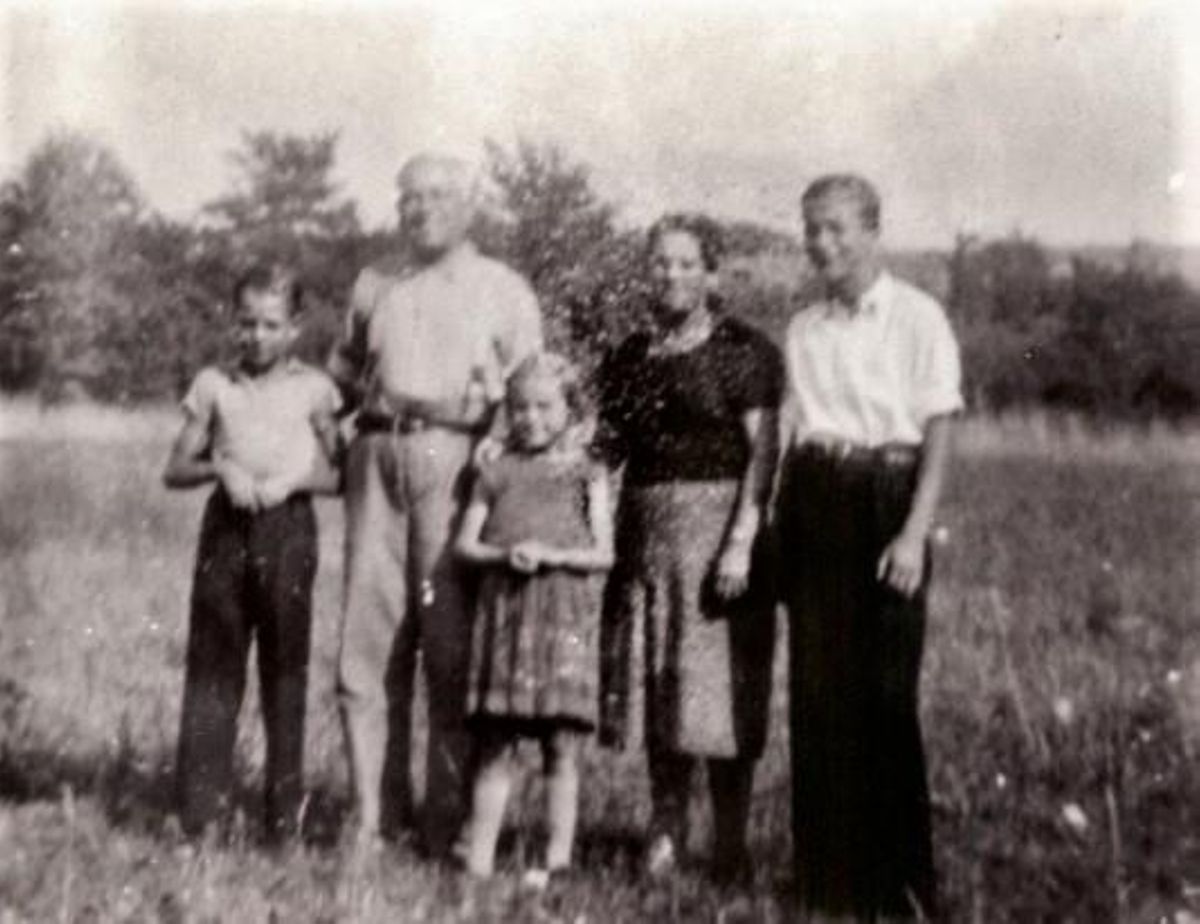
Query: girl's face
(681, 280)
(538, 412)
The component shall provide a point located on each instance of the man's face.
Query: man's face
(838, 243)
(264, 329)
(435, 210)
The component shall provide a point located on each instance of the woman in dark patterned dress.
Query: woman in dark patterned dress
(690, 409)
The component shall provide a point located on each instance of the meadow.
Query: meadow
(1061, 700)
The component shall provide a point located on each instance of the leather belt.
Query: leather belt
(403, 423)
(839, 451)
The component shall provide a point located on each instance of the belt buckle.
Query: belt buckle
(406, 422)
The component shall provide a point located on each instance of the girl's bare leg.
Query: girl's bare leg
(561, 754)
(493, 782)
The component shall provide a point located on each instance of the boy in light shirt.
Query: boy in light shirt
(874, 385)
(263, 432)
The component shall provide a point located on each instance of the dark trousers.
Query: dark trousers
(860, 800)
(254, 577)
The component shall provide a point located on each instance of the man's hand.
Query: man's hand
(733, 570)
(487, 451)
(902, 564)
(238, 484)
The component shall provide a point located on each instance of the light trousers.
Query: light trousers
(404, 595)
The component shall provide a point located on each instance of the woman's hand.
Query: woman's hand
(902, 564)
(733, 570)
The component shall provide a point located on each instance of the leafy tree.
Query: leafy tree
(71, 220)
(551, 225)
(285, 207)
(20, 352)
(284, 196)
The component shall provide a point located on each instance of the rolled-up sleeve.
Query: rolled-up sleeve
(520, 332)
(937, 378)
(201, 397)
(525, 325)
(348, 358)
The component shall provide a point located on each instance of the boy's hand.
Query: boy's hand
(271, 492)
(902, 564)
(238, 485)
(733, 571)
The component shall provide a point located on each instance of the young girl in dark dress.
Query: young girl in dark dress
(539, 527)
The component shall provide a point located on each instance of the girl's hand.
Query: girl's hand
(733, 571)
(238, 485)
(528, 557)
(902, 564)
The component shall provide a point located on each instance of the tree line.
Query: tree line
(101, 294)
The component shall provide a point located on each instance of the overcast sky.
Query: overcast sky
(1064, 118)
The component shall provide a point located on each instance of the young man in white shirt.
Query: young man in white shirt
(874, 380)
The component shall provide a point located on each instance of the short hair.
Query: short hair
(457, 167)
(870, 208)
(555, 366)
(706, 231)
(273, 278)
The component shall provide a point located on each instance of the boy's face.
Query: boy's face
(838, 243)
(265, 329)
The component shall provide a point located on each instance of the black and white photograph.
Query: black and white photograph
(592, 462)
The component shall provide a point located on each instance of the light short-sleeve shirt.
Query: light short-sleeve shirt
(263, 424)
(875, 373)
(435, 333)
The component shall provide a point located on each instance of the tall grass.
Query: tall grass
(1061, 701)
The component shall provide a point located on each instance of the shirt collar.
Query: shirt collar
(236, 373)
(873, 303)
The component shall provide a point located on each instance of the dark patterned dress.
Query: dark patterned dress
(534, 643)
(675, 420)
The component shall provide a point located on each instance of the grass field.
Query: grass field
(1061, 701)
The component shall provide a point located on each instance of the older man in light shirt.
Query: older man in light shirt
(873, 371)
(430, 337)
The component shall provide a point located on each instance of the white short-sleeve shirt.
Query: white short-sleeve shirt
(264, 424)
(875, 373)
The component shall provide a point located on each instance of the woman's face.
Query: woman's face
(681, 281)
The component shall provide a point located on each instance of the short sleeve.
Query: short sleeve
(326, 397)
(756, 373)
(349, 355)
(488, 481)
(610, 443)
(937, 373)
(201, 398)
(523, 327)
